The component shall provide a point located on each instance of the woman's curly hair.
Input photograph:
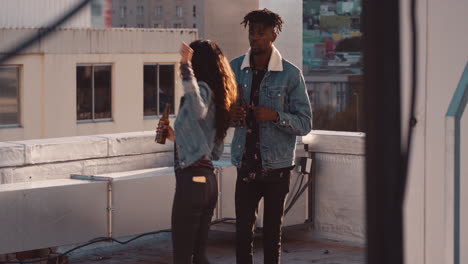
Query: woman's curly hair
(212, 67)
(264, 17)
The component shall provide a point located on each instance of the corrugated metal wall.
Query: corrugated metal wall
(37, 13)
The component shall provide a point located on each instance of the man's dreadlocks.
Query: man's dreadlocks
(264, 17)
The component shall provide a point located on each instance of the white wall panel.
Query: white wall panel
(37, 13)
(142, 200)
(340, 197)
(51, 213)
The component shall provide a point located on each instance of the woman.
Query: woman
(198, 134)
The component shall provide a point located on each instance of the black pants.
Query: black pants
(192, 210)
(248, 195)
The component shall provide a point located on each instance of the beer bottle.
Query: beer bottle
(240, 102)
(161, 133)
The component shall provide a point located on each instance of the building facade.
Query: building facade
(77, 81)
(89, 81)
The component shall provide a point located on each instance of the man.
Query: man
(275, 110)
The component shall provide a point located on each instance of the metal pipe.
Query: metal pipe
(109, 208)
(219, 179)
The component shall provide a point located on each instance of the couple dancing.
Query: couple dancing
(274, 111)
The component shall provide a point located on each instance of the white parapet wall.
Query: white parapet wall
(57, 158)
(63, 212)
(67, 191)
(60, 212)
(44, 207)
(339, 171)
(50, 213)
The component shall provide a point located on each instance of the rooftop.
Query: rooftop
(299, 247)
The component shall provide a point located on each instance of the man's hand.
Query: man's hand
(237, 113)
(265, 114)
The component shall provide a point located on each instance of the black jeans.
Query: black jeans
(248, 194)
(192, 210)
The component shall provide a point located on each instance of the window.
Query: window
(140, 10)
(194, 11)
(123, 25)
(96, 9)
(177, 25)
(178, 11)
(194, 25)
(9, 96)
(332, 63)
(140, 25)
(123, 11)
(157, 25)
(159, 80)
(93, 92)
(158, 11)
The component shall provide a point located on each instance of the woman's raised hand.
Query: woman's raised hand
(186, 53)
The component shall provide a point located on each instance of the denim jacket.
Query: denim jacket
(194, 127)
(283, 90)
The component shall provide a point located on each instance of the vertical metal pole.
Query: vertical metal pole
(311, 190)
(92, 94)
(452, 170)
(456, 192)
(358, 127)
(157, 89)
(109, 209)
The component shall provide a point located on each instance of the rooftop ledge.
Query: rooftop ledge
(41, 151)
(99, 41)
(29, 152)
(335, 142)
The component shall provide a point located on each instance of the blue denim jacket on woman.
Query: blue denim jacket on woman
(194, 127)
(283, 90)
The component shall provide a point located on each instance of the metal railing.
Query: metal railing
(337, 105)
(452, 169)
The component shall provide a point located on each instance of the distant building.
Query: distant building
(217, 20)
(344, 7)
(357, 6)
(101, 13)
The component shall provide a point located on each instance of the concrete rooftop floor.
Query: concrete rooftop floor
(299, 247)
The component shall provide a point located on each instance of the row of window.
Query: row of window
(158, 11)
(336, 105)
(93, 92)
(157, 25)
